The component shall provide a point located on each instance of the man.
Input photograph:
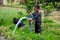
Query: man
(37, 18)
(21, 24)
(31, 20)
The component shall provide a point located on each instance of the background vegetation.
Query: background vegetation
(20, 8)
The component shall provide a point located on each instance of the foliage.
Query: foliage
(7, 15)
(30, 6)
(8, 1)
(1, 21)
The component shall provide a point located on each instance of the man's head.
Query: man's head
(14, 18)
(36, 8)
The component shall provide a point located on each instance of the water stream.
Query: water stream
(18, 23)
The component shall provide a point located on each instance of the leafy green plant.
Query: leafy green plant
(1, 21)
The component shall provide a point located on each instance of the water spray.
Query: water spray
(18, 24)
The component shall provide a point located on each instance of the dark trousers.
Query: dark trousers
(37, 27)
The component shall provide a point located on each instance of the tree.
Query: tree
(1, 2)
(31, 3)
(12, 1)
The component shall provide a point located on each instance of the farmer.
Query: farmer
(37, 19)
(21, 24)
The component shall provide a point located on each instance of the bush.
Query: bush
(1, 21)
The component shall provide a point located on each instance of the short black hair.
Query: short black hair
(14, 18)
(38, 6)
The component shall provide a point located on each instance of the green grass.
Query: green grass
(6, 20)
(16, 6)
(7, 14)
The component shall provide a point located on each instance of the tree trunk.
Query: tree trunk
(1, 2)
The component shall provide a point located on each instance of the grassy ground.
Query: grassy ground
(49, 32)
(7, 14)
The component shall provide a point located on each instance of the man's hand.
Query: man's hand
(30, 19)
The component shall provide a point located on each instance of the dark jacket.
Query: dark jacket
(20, 24)
(37, 17)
